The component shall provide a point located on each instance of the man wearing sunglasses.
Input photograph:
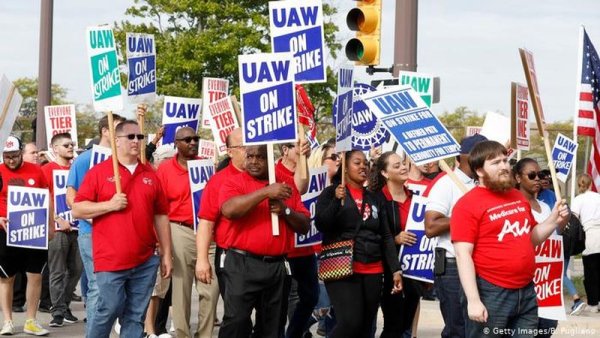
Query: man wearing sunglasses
(125, 230)
(64, 261)
(174, 178)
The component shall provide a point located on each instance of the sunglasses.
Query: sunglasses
(532, 175)
(333, 157)
(189, 139)
(131, 137)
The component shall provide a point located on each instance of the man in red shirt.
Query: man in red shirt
(14, 171)
(494, 236)
(124, 231)
(64, 261)
(174, 178)
(255, 268)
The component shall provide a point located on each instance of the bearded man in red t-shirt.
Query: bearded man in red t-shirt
(494, 236)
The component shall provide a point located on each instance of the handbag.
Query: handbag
(335, 260)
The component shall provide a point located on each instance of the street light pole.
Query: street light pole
(405, 37)
(45, 71)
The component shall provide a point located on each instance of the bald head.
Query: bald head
(234, 138)
(183, 132)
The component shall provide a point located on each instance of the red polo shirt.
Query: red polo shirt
(123, 239)
(281, 170)
(403, 207)
(47, 169)
(175, 182)
(253, 232)
(210, 209)
(28, 175)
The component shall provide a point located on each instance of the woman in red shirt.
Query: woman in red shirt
(362, 217)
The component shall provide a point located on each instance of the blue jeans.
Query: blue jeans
(449, 292)
(85, 249)
(566, 280)
(124, 294)
(304, 271)
(511, 312)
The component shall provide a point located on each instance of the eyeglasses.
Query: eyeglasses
(189, 139)
(333, 157)
(532, 175)
(11, 157)
(69, 145)
(131, 137)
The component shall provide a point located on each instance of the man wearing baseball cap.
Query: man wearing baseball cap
(14, 171)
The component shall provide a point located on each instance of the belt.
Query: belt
(268, 259)
(183, 224)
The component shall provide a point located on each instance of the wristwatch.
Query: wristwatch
(287, 211)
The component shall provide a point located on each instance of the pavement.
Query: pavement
(587, 324)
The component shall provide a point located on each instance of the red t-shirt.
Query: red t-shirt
(175, 183)
(499, 226)
(47, 169)
(253, 232)
(28, 175)
(403, 207)
(210, 209)
(358, 267)
(123, 239)
(281, 170)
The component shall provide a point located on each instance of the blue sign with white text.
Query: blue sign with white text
(199, 171)
(562, 155)
(27, 213)
(417, 260)
(142, 75)
(343, 110)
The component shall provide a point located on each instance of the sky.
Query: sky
(471, 45)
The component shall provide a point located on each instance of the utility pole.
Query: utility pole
(45, 71)
(405, 36)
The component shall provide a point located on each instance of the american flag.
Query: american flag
(588, 123)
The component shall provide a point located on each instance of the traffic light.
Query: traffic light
(365, 20)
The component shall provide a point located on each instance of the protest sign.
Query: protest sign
(60, 119)
(496, 127)
(420, 82)
(212, 90)
(27, 213)
(367, 130)
(99, 154)
(200, 171)
(342, 114)
(417, 260)
(104, 69)
(563, 154)
(268, 98)
(206, 150)
(59, 188)
(179, 112)
(318, 180)
(519, 121)
(297, 27)
(222, 121)
(10, 103)
(414, 126)
(548, 278)
(472, 130)
(141, 62)
(314, 143)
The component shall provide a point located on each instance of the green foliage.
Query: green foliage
(196, 39)
(457, 121)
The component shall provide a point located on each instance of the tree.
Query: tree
(457, 121)
(28, 88)
(196, 39)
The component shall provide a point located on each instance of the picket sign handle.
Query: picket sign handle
(271, 165)
(453, 176)
(236, 109)
(343, 173)
(11, 93)
(302, 158)
(141, 120)
(113, 147)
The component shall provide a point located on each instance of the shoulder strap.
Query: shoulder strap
(360, 218)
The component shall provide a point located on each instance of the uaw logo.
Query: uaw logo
(367, 131)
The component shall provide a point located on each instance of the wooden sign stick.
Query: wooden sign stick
(302, 158)
(445, 167)
(113, 147)
(343, 172)
(271, 166)
(236, 109)
(9, 98)
(141, 119)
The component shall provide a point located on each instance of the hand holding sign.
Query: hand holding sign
(3, 222)
(118, 202)
(279, 191)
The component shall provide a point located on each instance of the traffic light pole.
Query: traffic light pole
(45, 71)
(405, 37)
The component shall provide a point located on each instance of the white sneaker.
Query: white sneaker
(8, 329)
(165, 335)
(172, 328)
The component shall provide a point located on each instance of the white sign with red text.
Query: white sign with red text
(212, 90)
(222, 121)
(548, 278)
(60, 119)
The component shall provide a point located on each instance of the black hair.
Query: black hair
(518, 168)
(337, 178)
(377, 180)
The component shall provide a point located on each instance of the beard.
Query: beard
(501, 184)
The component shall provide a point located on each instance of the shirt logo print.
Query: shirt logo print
(147, 180)
(514, 229)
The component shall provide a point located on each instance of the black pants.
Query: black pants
(591, 275)
(304, 272)
(355, 300)
(398, 309)
(252, 283)
(162, 315)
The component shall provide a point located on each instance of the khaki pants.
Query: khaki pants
(184, 266)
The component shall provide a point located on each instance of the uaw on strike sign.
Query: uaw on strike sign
(104, 69)
(61, 208)
(199, 171)
(548, 278)
(268, 98)
(318, 180)
(297, 27)
(27, 217)
(141, 61)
